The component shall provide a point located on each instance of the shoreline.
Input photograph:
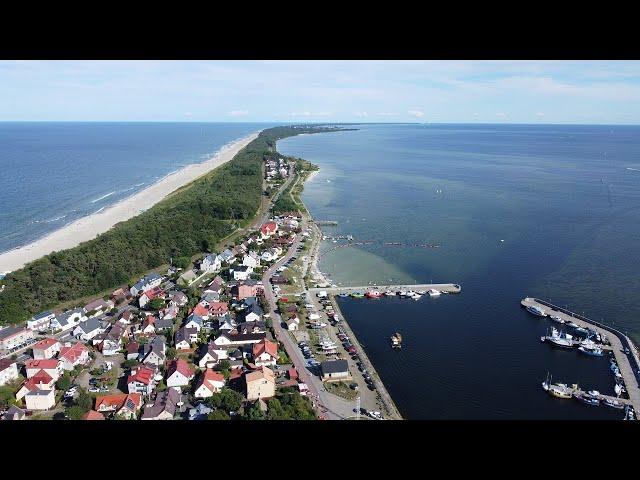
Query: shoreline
(88, 227)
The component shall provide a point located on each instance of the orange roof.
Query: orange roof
(269, 227)
(46, 343)
(180, 366)
(201, 310)
(45, 364)
(219, 307)
(260, 374)
(93, 415)
(210, 376)
(143, 375)
(72, 353)
(265, 346)
(118, 401)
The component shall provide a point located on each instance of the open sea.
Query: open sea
(53, 173)
(517, 210)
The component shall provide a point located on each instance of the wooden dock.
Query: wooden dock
(421, 288)
(629, 364)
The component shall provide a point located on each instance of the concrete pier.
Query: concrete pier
(629, 364)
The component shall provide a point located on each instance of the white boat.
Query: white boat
(390, 293)
(433, 292)
(536, 311)
(555, 318)
(415, 296)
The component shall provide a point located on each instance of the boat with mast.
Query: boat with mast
(558, 390)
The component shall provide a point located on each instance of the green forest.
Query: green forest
(182, 225)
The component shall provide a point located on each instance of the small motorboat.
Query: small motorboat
(396, 340)
(594, 351)
(613, 403)
(587, 399)
(433, 292)
(555, 318)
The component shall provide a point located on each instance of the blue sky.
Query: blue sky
(323, 91)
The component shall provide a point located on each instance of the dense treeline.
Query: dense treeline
(184, 224)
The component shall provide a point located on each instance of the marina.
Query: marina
(624, 362)
(399, 289)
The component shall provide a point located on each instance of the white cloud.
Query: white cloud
(239, 113)
(416, 113)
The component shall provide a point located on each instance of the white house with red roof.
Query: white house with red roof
(50, 365)
(148, 325)
(126, 405)
(47, 348)
(179, 374)
(40, 381)
(40, 399)
(210, 383)
(149, 295)
(265, 353)
(268, 229)
(73, 355)
(142, 380)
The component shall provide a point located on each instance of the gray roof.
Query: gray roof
(165, 401)
(334, 366)
(9, 331)
(14, 413)
(63, 318)
(226, 255)
(90, 325)
(42, 315)
(184, 333)
(164, 323)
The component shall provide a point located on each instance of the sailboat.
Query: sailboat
(558, 390)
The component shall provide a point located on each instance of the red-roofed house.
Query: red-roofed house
(93, 415)
(201, 311)
(72, 356)
(210, 383)
(218, 308)
(265, 353)
(50, 365)
(46, 348)
(292, 373)
(268, 229)
(149, 295)
(149, 325)
(142, 380)
(179, 374)
(125, 404)
(40, 381)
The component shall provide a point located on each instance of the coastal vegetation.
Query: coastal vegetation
(186, 223)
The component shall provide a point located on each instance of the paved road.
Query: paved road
(329, 406)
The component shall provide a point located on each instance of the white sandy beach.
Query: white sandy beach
(87, 228)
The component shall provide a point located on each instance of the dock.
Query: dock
(629, 364)
(419, 287)
(325, 222)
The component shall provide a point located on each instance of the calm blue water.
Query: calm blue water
(55, 173)
(548, 211)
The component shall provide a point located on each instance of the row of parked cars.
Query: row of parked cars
(353, 351)
(31, 341)
(308, 354)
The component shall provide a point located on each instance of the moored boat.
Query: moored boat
(587, 399)
(396, 340)
(433, 292)
(536, 311)
(373, 294)
(594, 352)
(357, 295)
(613, 403)
(558, 390)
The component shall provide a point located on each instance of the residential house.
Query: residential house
(242, 272)
(149, 295)
(73, 355)
(99, 307)
(218, 309)
(201, 310)
(93, 415)
(47, 348)
(154, 353)
(109, 347)
(88, 329)
(177, 299)
(249, 288)
(211, 382)
(293, 324)
(211, 263)
(148, 325)
(169, 314)
(209, 297)
(125, 405)
(252, 259)
(120, 295)
(165, 324)
(210, 355)
(335, 370)
(268, 229)
(253, 312)
(185, 337)
(227, 256)
(163, 407)
(8, 371)
(146, 283)
(260, 383)
(11, 337)
(40, 381)
(179, 374)
(14, 413)
(265, 353)
(126, 318)
(142, 380)
(256, 326)
(51, 366)
(194, 321)
(133, 351)
(40, 399)
(200, 412)
(41, 321)
(68, 319)
(226, 323)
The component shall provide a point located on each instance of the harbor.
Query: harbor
(624, 363)
(420, 288)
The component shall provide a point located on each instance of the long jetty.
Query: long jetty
(629, 364)
(442, 287)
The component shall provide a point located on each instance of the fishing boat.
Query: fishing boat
(433, 292)
(587, 399)
(415, 296)
(581, 330)
(373, 294)
(396, 340)
(343, 295)
(390, 293)
(357, 295)
(402, 293)
(559, 339)
(558, 390)
(613, 403)
(536, 311)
